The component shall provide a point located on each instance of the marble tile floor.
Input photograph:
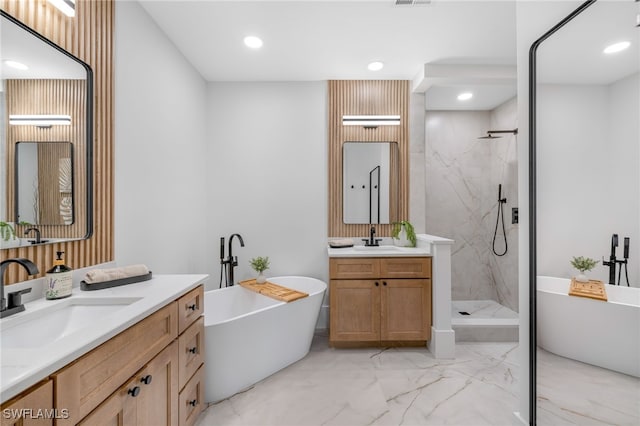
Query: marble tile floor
(393, 386)
(574, 393)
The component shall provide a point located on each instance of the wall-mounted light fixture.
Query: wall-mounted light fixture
(40, 120)
(68, 7)
(370, 120)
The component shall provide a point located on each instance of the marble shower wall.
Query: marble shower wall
(461, 184)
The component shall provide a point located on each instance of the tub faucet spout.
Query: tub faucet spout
(231, 260)
(612, 260)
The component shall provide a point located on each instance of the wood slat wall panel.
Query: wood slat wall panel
(88, 36)
(366, 97)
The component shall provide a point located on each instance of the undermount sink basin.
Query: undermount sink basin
(45, 326)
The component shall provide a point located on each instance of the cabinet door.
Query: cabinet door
(24, 410)
(157, 403)
(354, 310)
(117, 410)
(406, 309)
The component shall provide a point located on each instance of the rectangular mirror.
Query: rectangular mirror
(370, 182)
(44, 183)
(41, 81)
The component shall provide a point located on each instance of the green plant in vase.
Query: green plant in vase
(583, 264)
(7, 231)
(403, 234)
(260, 264)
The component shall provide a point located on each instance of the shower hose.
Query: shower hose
(501, 202)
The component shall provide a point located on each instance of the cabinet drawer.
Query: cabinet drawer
(191, 351)
(40, 397)
(191, 400)
(405, 267)
(190, 307)
(354, 268)
(88, 381)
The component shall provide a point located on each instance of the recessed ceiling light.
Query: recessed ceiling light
(617, 47)
(375, 66)
(16, 65)
(465, 96)
(253, 42)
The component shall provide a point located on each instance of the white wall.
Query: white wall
(588, 175)
(160, 168)
(267, 175)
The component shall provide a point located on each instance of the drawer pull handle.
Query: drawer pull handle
(192, 350)
(135, 391)
(384, 283)
(193, 402)
(146, 379)
(377, 284)
(192, 307)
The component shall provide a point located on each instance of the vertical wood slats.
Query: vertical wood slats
(367, 97)
(88, 36)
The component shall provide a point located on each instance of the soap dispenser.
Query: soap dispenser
(59, 280)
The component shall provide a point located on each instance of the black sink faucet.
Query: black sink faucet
(37, 231)
(14, 303)
(372, 241)
(231, 260)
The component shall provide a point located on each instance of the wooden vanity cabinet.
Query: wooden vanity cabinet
(138, 377)
(379, 301)
(33, 407)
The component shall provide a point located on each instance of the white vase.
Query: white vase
(402, 240)
(261, 279)
(582, 278)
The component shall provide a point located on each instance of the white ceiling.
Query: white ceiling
(321, 40)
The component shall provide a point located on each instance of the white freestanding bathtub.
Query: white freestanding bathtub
(606, 334)
(249, 336)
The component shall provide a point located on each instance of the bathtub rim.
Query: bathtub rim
(611, 290)
(275, 304)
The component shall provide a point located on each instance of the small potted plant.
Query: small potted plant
(8, 237)
(583, 264)
(403, 234)
(260, 264)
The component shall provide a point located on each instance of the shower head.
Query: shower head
(489, 136)
(490, 133)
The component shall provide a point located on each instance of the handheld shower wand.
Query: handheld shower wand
(501, 202)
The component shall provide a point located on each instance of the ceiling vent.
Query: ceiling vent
(412, 2)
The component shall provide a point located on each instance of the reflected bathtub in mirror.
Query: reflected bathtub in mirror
(604, 334)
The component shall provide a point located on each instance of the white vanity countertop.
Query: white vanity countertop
(24, 367)
(385, 249)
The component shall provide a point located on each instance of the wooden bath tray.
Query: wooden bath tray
(593, 289)
(274, 291)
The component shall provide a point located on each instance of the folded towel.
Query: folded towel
(101, 275)
(341, 243)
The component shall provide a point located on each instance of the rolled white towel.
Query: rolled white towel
(102, 275)
(341, 243)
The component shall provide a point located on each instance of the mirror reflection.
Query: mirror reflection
(588, 104)
(370, 179)
(44, 182)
